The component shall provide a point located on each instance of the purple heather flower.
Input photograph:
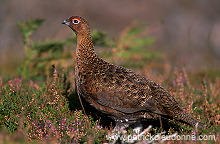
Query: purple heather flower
(99, 127)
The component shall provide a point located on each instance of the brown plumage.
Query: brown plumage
(117, 91)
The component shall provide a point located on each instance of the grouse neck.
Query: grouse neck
(85, 49)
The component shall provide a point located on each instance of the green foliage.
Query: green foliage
(100, 39)
(28, 27)
(133, 47)
(39, 56)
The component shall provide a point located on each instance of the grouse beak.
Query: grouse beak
(66, 22)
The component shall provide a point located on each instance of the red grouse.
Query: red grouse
(117, 91)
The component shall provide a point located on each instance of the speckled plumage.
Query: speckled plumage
(115, 90)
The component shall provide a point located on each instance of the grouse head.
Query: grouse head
(77, 24)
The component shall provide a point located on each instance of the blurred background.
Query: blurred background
(189, 31)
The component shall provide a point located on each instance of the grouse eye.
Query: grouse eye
(75, 21)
